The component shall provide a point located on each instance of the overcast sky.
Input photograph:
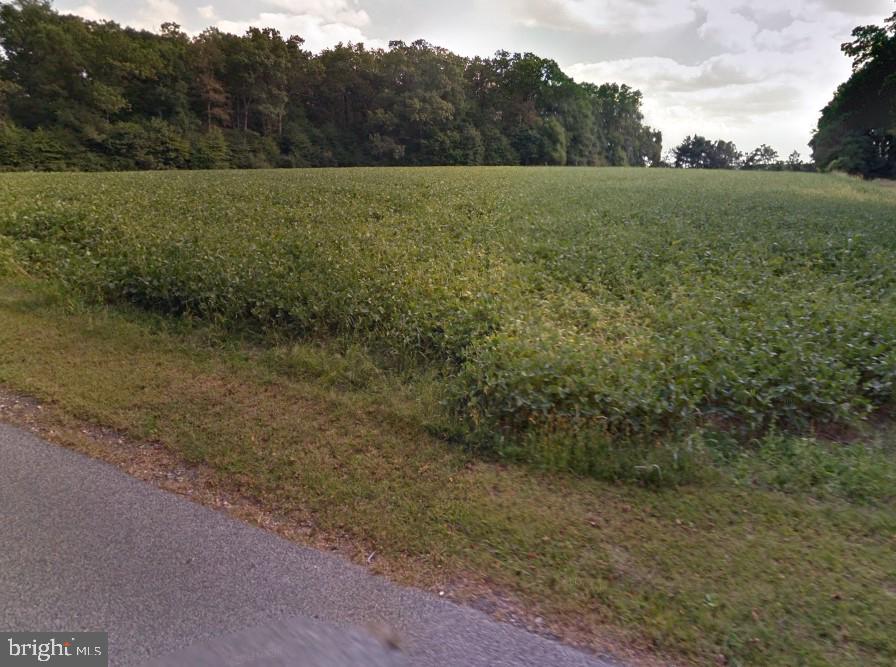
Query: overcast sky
(751, 71)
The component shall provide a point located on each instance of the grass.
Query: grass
(758, 564)
(600, 321)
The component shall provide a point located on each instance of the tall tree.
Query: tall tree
(857, 129)
(208, 63)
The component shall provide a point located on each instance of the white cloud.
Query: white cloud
(317, 33)
(148, 15)
(321, 23)
(876, 8)
(153, 13)
(90, 12)
(604, 16)
(329, 11)
(728, 28)
(779, 65)
(750, 97)
(729, 23)
(206, 12)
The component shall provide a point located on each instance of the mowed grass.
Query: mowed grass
(340, 339)
(567, 311)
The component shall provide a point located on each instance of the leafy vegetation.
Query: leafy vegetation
(857, 129)
(781, 555)
(576, 316)
(698, 152)
(701, 153)
(87, 95)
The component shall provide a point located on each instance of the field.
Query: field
(566, 310)
(578, 386)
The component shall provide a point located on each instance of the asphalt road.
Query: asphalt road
(85, 547)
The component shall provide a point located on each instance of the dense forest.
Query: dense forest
(857, 129)
(78, 94)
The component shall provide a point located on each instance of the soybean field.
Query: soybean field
(565, 311)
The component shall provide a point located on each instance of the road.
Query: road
(85, 547)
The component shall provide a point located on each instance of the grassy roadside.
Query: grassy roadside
(732, 570)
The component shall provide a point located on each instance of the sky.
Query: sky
(748, 71)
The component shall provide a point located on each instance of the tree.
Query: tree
(8, 90)
(208, 63)
(47, 57)
(763, 157)
(698, 152)
(857, 129)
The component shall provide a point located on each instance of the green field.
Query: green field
(368, 349)
(566, 310)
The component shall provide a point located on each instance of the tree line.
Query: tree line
(79, 94)
(698, 152)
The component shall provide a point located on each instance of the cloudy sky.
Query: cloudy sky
(751, 71)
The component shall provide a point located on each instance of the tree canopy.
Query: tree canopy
(857, 129)
(95, 95)
(698, 152)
